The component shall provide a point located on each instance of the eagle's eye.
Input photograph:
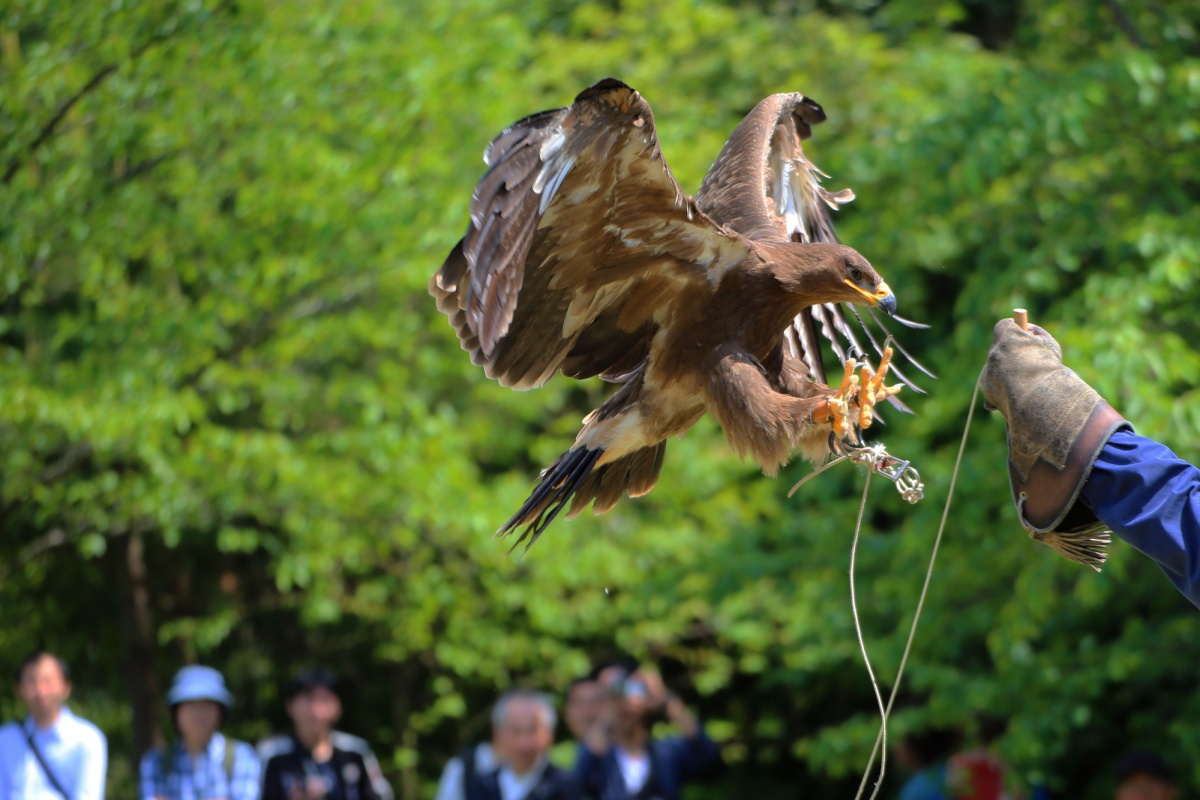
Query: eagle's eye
(855, 274)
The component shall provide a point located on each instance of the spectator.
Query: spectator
(522, 735)
(523, 729)
(203, 764)
(317, 762)
(53, 753)
(619, 760)
(1143, 775)
(924, 754)
(463, 775)
(585, 703)
(979, 773)
(976, 774)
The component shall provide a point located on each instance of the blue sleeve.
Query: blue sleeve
(1150, 498)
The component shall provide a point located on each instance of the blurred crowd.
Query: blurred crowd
(616, 752)
(610, 715)
(54, 754)
(939, 769)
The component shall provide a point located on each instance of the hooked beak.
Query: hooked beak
(882, 296)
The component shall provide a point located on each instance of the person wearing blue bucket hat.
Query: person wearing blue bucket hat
(202, 764)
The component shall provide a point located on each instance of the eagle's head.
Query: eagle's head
(865, 284)
(833, 273)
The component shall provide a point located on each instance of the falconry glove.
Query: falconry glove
(1057, 426)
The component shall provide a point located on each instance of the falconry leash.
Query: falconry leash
(880, 746)
(908, 483)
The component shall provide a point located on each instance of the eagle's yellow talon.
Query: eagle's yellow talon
(866, 399)
(874, 391)
(849, 392)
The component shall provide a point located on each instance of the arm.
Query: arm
(450, 786)
(366, 787)
(1057, 426)
(682, 717)
(272, 786)
(1075, 465)
(8, 749)
(1151, 499)
(589, 772)
(676, 710)
(93, 768)
(150, 790)
(246, 773)
(379, 784)
(693, 756)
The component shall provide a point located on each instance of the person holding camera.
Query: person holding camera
(620, 761)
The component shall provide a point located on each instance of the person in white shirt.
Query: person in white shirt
(52, 754)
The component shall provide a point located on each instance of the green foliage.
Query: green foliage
(217, 221)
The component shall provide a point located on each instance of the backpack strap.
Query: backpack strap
(45, 767)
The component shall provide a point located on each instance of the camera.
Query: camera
(625, 684)
(632, 687)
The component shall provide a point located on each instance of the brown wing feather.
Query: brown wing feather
(576, 223)
(764, 187)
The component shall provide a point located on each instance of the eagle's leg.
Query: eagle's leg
(871, 389)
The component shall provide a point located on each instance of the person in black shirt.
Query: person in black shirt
(317, 762)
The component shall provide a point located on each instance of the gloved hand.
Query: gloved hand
(1057, 425)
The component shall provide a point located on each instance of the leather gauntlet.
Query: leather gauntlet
(1057, 426)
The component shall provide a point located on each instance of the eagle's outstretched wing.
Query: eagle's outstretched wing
(580, 240)
(763, 187)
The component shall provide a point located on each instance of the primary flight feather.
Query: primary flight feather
(584, 256)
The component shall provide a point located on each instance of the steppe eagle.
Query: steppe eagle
(584, 256)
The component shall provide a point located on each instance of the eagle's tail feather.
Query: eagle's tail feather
(575, 477)
(558, 483)
(633, 474)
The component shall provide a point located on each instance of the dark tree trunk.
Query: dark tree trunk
(402, 687)
(140, 677)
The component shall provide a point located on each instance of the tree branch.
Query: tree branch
(55, 537)
(1125, 23)
(75, 455)
(140, 168)
(15, 163)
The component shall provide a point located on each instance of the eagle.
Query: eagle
(583, 256)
